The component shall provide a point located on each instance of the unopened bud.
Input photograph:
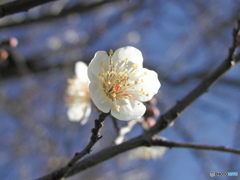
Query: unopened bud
(151, 111)
(3, 54)
(13, 42)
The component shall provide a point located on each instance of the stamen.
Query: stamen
(117, 107)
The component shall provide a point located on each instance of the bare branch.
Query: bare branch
(172, 144)
(20, 6)
(110, 152)
(78, 8)
(87, 150)
(168, 118)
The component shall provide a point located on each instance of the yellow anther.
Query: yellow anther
(138, 103)
(135, 82)
(133, 88)
(118, 61)
(134, 74)
(135, 66)
(117, 107)
(109, 82)
(147, 94)
(145, 73)
(142, 80)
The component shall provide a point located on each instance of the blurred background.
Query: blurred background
(182, 40)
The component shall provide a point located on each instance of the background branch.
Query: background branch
(78, 8)
(172, 144)
(20, 6)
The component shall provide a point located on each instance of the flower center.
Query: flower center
(116, 80)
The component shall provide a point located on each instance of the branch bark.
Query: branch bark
(78, 8)
(20, 6)
(110, 152)
(87, 150)
(169, 117)
(172, 144)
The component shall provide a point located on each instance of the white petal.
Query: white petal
(75, 112)
(81, 71)
(129, 110)
(150, 85)
(98, 97)
(133, 54)
(94, 67)
(86, 114)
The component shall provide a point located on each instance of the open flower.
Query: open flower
(118, 82)
(78, 98)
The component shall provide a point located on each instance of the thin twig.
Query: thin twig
(87, 150)
(172, 144)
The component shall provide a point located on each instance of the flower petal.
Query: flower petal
(98, 97)
(129, 109)
(81, 71)
(94, 67)
(150, 85)
(75, 112)
(133, 54)
(86, 114)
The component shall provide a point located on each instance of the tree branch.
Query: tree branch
(78, 8)
(20, 6)
(87, 150)
(172, 144)
(110, 152)
(164, 121)
(168, 118)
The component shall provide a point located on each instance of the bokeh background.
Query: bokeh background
(182, 40)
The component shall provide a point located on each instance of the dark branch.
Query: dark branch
(87, 150)
(110, 152)
(168, 118)
(78, 8)
(164, 121)
(172, 144)
(20, 6)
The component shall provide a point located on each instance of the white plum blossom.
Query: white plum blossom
(154, 152)
(119, 83)
(77, 95)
